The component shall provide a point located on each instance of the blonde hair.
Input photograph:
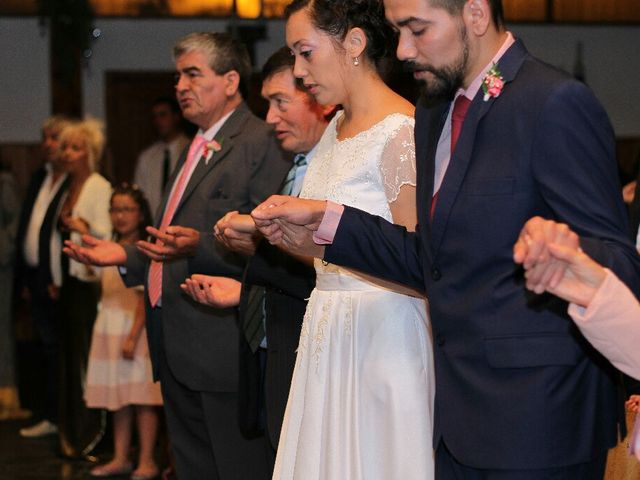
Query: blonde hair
(91, 130)
(56, 123)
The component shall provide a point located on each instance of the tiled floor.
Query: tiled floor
(34, 459)
(37, 459)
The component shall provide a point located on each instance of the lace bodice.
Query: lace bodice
(365, 171)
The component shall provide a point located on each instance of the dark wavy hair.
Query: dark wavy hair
(138, 196)
(337, 17)
(454, 7)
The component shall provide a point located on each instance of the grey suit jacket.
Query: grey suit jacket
(201, 343)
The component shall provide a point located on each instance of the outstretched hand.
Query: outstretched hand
(172, 243)
(219, 292)
(290, 222)
(94, 251)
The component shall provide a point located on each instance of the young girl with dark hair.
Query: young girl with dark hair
(119, 373)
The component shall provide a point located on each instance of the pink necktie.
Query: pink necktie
(460, 107)
(155, 271)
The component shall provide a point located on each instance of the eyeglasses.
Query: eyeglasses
(116, 211)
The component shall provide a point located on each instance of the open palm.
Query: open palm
(94, 251)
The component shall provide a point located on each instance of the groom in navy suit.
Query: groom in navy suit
(520, 393)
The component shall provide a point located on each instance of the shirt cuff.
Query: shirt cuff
(329, 225)
(585, 314)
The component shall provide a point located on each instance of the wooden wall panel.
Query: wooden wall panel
(23, 159)
(525, 10)
(592, 11)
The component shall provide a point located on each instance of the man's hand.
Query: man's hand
(175, 242)
(219, 292)
(554, 262)
(629, 192)
(290, 222)
(96, 252)
(532, 251)
(237, 233)
(633, 404)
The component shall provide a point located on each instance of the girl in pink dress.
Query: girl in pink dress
(119, 374)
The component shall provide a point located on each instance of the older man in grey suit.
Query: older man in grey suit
(233, 163)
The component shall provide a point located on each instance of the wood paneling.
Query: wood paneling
(596, 11)
(23, 159)
(578, 11)
(129, 96)
(525, 10)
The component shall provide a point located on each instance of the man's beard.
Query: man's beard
(446, 80)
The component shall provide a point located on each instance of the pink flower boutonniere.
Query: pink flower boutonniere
(492, 83)
(210, 148)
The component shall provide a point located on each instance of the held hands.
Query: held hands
(237, 233)
(75, 224)
(290, 222)
(96, 252)
(553, 262)
(175, 242)
(219, 292)
(633, 404)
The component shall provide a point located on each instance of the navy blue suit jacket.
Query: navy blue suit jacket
(517, 386)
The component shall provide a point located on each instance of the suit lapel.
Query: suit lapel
(225, 137)
(509, 65)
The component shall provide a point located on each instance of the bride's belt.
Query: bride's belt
(342, 279)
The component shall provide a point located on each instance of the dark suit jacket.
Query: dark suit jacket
(43, 270)
(201, 343)
(517, 386)
(288, 284)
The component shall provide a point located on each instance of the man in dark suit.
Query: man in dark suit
(266, 364)
(194, 349)
(38, 270)
(519, 393)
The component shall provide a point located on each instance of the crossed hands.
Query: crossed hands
(172, 243)
(553, 261)
(290, 222)
(238, 233)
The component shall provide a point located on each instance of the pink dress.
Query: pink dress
(612, 324)
(113, 381)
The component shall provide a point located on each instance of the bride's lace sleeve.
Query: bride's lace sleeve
(398, 161)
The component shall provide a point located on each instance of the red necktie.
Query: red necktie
(460, 108)
(155, 271)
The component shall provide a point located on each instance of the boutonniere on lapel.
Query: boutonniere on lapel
(210, 148)
(492, 83)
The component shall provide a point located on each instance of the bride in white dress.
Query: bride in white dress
(361, 399)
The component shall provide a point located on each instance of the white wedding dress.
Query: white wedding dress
(361, 399)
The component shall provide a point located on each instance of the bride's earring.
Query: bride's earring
(356, 62)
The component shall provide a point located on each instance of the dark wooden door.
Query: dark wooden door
(129, 97)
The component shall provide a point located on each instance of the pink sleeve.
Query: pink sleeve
(611, 323)
(329, 225)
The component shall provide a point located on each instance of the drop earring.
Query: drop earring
(356, 62)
